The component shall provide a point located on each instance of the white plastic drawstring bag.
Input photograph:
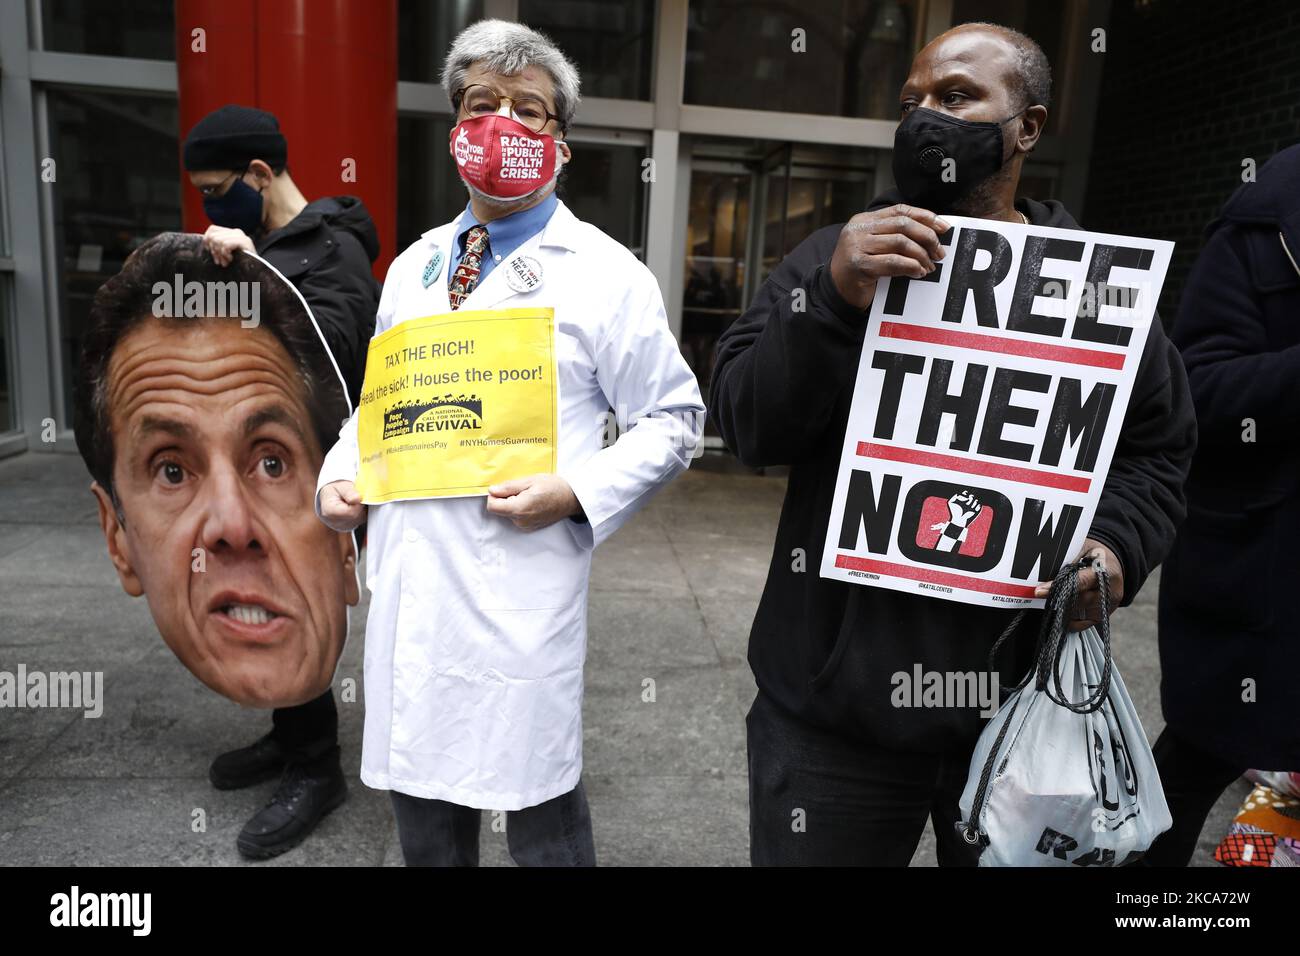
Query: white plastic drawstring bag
(1063, 774)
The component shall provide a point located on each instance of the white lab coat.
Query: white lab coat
(478, 631)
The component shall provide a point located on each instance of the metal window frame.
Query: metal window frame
(111, 72)
(667, 124)
(31, 348)
(675, 123)
(12, 440)
(30, 72)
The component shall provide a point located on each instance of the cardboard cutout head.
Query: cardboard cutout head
(205, 401)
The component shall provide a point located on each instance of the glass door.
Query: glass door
(750, 204)
(717, 259)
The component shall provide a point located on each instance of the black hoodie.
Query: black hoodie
(326, 251)
(826, 650)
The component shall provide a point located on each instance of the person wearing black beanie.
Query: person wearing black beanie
(237, 158)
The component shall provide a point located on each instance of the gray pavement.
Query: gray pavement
(672, 597)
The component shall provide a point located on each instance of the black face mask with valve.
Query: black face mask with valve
(924, 143)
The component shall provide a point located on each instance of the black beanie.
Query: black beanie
(232, 137)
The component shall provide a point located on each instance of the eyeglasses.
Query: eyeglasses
(479, 100)
(219, 189)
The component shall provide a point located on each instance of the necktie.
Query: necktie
(465, 278)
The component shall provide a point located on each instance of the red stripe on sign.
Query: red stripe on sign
(931, 576)
(994, 343)
(969, 466)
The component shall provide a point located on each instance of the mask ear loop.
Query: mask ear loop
(261, 226)
(1010, 118)
(1004, 123)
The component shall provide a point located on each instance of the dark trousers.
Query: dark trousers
(308, 733)
(818, 799)
(438, 833)
(1193, 781)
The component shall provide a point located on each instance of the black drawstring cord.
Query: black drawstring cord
(1051, 646)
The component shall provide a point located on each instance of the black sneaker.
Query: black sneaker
(301, 801)
(241, 768)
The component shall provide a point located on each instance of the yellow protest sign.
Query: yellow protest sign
(453, 403)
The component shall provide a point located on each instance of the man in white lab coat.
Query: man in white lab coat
(477, 630)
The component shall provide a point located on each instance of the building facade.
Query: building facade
(712, 137)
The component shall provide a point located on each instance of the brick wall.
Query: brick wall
(1189, 89)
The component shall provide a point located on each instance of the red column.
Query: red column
(326, 68)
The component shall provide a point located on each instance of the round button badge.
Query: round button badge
(432, 268)
(523, 273)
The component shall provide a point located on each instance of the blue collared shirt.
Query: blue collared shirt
(505, 235)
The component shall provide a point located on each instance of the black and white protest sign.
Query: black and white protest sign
(987, 406)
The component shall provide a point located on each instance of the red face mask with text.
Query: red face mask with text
(502, 158)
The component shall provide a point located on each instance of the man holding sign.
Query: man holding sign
(1004, 402)
(503, 339)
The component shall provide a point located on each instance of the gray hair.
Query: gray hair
(1033, 72)
(508, 48)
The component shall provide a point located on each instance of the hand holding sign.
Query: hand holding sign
(898, 241)
(454, 403)
(533, 503)
(989, 402)
(340, 506)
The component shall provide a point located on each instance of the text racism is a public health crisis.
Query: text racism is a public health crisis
(986, 410)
